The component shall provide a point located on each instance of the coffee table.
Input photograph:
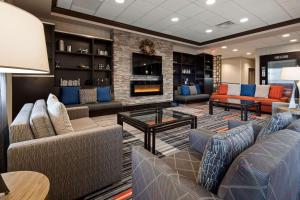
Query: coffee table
(244, 105)
(152, 121)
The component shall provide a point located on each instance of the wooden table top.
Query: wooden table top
(26, 185)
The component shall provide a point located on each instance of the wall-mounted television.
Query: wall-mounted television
(146, 65)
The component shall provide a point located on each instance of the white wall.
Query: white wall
(272, 50)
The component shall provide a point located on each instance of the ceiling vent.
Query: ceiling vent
(226, 24)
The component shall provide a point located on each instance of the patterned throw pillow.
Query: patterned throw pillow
(193, 90)
(39, 120)
(60, 118)
(88, 96)
(278, 122)
(220, 151)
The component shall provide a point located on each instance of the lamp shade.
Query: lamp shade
(22, 42)
(290, 73)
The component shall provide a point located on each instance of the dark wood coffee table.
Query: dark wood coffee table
(243, 105)
(152, 121)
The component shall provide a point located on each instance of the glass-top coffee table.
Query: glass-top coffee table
(152, 121)
(243, 105)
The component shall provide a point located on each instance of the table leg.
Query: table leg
(119, 120)
(149, 139)
(211, 109)
(242, 113)
(258, 109)
(146, 139)
(246, 113)
(194, 123)
(153, 142)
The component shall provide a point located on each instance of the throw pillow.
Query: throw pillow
(193, 89)
(69, 95)
(248, 90)
(104, 94)
(223, 89)
(278, 122)
(220, 151)
(276, 91)
(295, 126)
(88, 96)
(39, 120)
(234, 89)
(185, 90)
(60, 118)
(262, 91)
(179, 90)
(51, 98)
(198, 88)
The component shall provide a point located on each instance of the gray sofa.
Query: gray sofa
(76, 163)
(269, 169)
(178, 97)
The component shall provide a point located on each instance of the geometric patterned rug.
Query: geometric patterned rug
(167, 142)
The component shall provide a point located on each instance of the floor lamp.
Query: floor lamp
(292, 74)
(22, 47)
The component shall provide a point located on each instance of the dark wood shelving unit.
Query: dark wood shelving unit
(197, 68)
(67, 64)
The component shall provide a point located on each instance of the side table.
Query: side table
(294, 111)
(25, 185)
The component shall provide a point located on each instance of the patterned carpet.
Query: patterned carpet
(167, 142)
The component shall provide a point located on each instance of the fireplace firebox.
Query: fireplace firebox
(146, 88)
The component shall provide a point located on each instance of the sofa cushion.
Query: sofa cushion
(248, 90)
(277, 122)
(104, 105)
(69, 95)
(234, 89)
(220, 151)
(185, 90)
(223, 89)
(193, 90)
(60, 118)
(104, 94)
(276, 91)
(262, 91)
(88, 95)
(295, 126)
(20, 129)
(256, 127)
(39, 120)
(83, 124)
(198, 88)
(51, 98)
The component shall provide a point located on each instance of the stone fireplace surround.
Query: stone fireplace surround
(126, 43)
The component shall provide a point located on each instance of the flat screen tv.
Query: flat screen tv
(146, 65)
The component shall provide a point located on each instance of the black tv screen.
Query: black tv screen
(146, 65)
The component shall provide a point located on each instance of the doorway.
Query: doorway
(251, 75)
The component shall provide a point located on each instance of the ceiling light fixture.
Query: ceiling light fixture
(244, 20)
(286, 35)
(248, 53)
(224, 47)
(235, 50)
(209, 31)
(293, 40)
(210, 2)
(174, 19)
(119, 1)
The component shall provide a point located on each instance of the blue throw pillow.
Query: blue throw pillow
(104, 94)
(69, 95)
(185, 90)
(198, 88)
(248, 90)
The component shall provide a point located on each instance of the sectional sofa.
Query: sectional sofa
(266, 94)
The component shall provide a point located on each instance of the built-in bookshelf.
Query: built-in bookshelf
(82, 60)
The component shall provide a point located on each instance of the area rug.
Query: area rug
(167, 142)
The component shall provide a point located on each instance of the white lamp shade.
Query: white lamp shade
(290, 73)
(22, 42)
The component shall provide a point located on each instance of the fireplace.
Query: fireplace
(146, 88)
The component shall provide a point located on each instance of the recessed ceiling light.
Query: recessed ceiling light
(210, 2)
(244, 20)
(286, 35)
(119, 1)
(174, 19)
(209, 31)
(224, 47)
(293, 40)
(235, 50)
(248, 53)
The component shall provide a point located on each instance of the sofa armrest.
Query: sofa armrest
(76, 164)
(152, 178)
(198, 139)
(78, 112)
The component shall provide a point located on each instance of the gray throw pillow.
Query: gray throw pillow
(278, 122)
(220, 151)
(88, 96)
(179, 90)
(256, 127)
(295, 126)
(193, 90)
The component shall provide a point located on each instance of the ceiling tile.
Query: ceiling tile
(292, 7)
(64, 4)
(82, 10)
(175, 5)
(87, 4)
(190, 10)
(110, 9)
(209, 18)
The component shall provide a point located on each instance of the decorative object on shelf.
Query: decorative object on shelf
(70, 82)
(61, 45)
(69, 48)
(83, 51)
(57, 65)
(84, 67)
(107, 67)
(106, 53)
(100, 67)
(147, 47)
(263, 72)
(186, 81)
(292, 74)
